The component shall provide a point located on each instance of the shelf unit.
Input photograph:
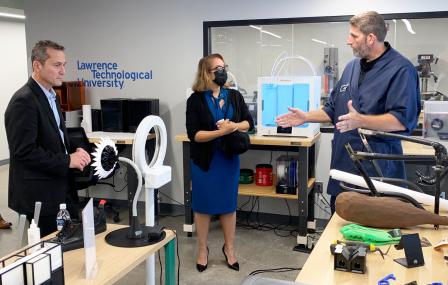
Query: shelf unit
(268, 191)
(71, 95)
(305, 147)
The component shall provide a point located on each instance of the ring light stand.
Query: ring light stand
(155, 175)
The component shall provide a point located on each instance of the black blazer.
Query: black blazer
(39, 166)
(199, 118)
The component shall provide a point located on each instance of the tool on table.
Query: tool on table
(350, 258)
(370, 247)
(370, 235)
(385, 280)
(443, 246)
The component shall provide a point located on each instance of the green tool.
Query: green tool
(370, 235)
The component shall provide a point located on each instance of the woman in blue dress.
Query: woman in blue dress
(214, 111)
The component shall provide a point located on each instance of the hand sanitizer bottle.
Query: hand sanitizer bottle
(33, 235)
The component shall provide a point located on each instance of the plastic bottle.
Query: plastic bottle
(62, 216)
(33, 235)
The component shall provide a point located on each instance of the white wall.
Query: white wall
(13, 71)
(167, 37)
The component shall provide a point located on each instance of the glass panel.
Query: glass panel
(252, 51)
(425, 37)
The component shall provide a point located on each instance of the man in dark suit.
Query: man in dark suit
(40, 151)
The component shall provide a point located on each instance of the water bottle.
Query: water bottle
(62, 217)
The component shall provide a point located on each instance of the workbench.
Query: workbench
(318, 268)
(305, 147)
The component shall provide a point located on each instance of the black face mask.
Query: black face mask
(220, 78)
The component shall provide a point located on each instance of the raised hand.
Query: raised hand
(349, 121)
(296, 117)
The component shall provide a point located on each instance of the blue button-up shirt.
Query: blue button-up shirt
(51, 97)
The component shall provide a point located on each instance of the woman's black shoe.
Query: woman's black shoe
(235, 266)
(201, 267)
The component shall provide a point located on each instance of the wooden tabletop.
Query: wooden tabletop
(270, 140)
(318, 268)
(113, 262)
(417, 149)
(118, 138)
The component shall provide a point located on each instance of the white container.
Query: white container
(33, 235)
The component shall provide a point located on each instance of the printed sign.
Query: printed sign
(108, 74)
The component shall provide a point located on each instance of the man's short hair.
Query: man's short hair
(370, 23)
(39, 51)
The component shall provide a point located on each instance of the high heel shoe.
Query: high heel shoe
(201, 267)
(235, 266)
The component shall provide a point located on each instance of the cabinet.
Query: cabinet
(71, 95)
(306, 180)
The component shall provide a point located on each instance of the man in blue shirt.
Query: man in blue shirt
(39, 149)
(378, 90)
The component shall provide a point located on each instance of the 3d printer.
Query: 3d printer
(287, 175)
(277, 93)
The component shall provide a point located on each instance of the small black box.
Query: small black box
(97, 124)
(114, 114)
(138, 109)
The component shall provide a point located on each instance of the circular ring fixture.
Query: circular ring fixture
(140, 138)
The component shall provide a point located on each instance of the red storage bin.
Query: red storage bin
(263, 175)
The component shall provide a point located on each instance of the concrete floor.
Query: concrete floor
(255, 250)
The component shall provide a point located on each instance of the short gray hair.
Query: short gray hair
(370, 23)
(39, 51)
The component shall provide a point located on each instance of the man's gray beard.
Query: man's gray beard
(362, 53)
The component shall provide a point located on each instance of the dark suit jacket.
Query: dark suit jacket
(199, 117)
(39, 166)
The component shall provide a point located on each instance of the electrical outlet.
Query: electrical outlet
(319, 187)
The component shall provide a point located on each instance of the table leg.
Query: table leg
(311, 198)
(170, 263)
(303, 175)
(188, 225)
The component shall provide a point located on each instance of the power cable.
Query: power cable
(275, 270)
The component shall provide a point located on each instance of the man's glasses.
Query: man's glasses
(220, 68)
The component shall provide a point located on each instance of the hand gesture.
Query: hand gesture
(349, 121)
(296, 117)
(226, 126)
(79, 159)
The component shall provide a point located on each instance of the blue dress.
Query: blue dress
(216, 191)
